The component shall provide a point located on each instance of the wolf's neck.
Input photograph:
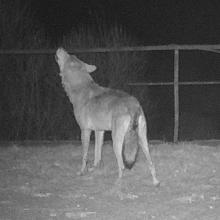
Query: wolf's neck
(75, 88)
(81, 93)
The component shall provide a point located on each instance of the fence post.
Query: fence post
(176, 95)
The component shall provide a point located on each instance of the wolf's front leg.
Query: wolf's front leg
(119, 129)
(98, 162)
(98, 148)
(85, 138)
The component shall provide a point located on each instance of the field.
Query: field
(39, 181)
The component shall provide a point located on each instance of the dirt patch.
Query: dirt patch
(40, 182)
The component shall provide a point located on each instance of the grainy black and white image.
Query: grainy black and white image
(109, 109)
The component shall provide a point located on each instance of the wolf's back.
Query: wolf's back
(130, 145)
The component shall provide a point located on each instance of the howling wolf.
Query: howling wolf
(103, 109)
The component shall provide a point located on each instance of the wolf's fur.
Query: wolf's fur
(101, 109)
(131, 145)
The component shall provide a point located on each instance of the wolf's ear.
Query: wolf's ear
(90, 68)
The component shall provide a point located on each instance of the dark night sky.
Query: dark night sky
(149, 21)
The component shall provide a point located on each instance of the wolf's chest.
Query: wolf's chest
(98, 118)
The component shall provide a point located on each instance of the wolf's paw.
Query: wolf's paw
(156, 183)
(80, 173)
(97, 166)
(91, 169)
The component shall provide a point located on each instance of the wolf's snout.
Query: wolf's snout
(60, 51)
(61, 54)
(56, 57)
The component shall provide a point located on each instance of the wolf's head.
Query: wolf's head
(67, 61)
(73, 70)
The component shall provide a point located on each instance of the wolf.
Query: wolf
(101, 109)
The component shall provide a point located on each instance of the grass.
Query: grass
(40, 182)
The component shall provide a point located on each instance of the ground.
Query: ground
(39, 181)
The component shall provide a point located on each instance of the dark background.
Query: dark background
(150, 21)
(42, 111)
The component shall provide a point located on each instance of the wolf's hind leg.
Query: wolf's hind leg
(85, 138)
(142, 132)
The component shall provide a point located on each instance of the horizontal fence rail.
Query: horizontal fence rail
(172, 83)
(212, 48)
(215, 48)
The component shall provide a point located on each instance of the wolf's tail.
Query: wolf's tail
(130, 145)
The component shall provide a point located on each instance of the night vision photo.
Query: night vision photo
(109, 110)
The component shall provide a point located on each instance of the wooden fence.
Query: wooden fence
(176, 83)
